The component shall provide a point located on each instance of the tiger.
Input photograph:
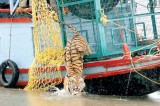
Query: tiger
(74, 52)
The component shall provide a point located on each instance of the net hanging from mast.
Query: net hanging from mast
(44, 71)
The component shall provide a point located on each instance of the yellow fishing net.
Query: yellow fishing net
(44, 71)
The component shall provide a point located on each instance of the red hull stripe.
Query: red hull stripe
(15, 20)
(102, 74)
(22, 83)
(98, 75)
(22, 10)
(20, 70)
(119, 72)
(112, 63)
(105, 64)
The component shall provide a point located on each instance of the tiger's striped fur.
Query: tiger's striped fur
(74, 51)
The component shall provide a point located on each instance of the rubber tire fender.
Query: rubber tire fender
(15, 74)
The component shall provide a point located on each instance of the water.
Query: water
(19, 97)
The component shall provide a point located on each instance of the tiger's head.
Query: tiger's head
(75, 84)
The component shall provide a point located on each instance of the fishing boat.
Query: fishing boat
(125, 59)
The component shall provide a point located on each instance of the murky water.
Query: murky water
(19, 97)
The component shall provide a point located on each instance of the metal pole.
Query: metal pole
(15, 6)
(101, 30)
(61, 18)
(133, 27)
(11, 6)
(151, 5)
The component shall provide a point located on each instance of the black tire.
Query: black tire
(15, 74)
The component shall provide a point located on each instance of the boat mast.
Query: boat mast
(12, 6)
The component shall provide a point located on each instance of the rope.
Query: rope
(104, 20)
(10, 38)
(10, 32)
(151, 49)
(145, 46)
(134, 69)
(19, 10)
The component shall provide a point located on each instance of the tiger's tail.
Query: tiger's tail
(74, 30)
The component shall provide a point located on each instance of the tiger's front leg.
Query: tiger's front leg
(65, 83)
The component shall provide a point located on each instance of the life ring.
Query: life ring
(14, 77)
